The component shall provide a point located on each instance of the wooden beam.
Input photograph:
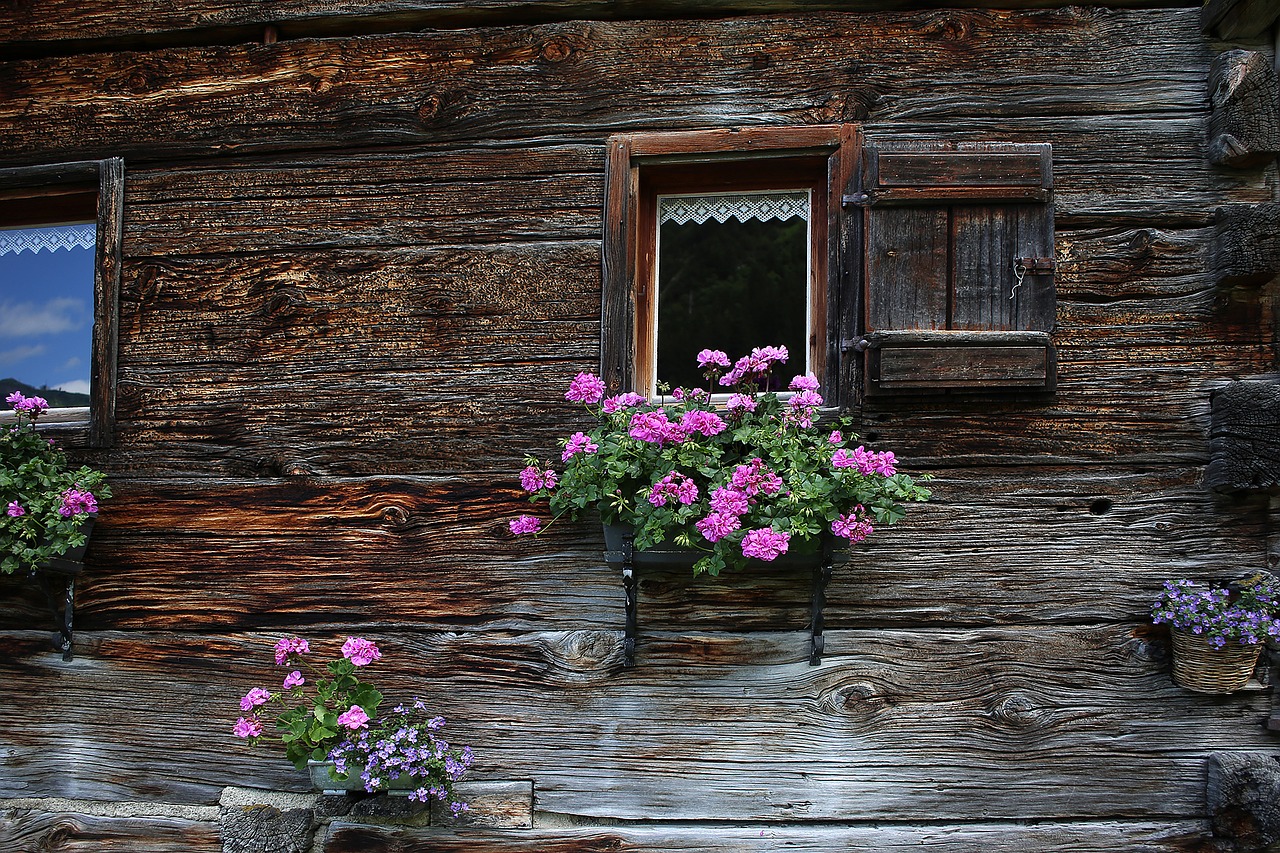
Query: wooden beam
(1244, 126)
(1246, 244)
(1244, 437)
(1237, 19)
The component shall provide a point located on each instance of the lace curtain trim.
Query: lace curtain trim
(14, 241)
(744, 207)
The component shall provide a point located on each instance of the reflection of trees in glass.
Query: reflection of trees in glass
(730, 286)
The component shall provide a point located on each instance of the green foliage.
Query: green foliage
(43, 498)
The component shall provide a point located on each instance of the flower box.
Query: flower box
(326, 780)
(1199, 666)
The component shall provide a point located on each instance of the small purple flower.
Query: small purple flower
(255, 697)
(854, 526)
(578, 443)
(15, 510)
(77, 502)
(585, 388)
(247, 727)
(674, 486)
(534, 479)
(836, 437)
(525, 524)
(622, 401)
(360, 652)
(290, 646)
(712, 358)
(740, 403)
(294, 679)
(804, 382)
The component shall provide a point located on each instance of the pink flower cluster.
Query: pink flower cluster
(33, 406)
(360, 652)
(740, 403)
(765, 543)
(247, 727)
(354, 718)
(803, 405)
(710, 359)
(628, 400)
(656, 428)
(15, 510)
(294, 679)
(855, 526)
(675, 486)
(77, 502)
(255, 697)
(534, 479)
(525, 524)
(579, 442)
(585, 388)
(756, 365)
(866, 461)
(290, 646)
(730, 502)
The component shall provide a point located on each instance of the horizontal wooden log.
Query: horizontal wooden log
(30, 829)
(1244, 437)
(61, 25)
(1075, 545)
(1246, 244)
(1244, 127)
(1181, 836)
(1031, 723)
(447, 86)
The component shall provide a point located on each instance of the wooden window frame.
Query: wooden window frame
(65, 180)
(641, 166)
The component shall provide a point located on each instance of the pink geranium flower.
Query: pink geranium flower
(290, 646)
(360, 651)
(247, 727)
(525, 524)
(255, 697)
(354, 718)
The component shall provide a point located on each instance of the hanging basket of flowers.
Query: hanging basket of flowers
(730, 473)
(1218, 633)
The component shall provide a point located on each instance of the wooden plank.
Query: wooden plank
(986, 291)
(172, 555)
(1153, 836)
(1028, 723)
(496, 805)
(1246, 244)
(960, 367)
(1236, 19)
(30, 829)
(907, 268)
(436, 88)
(1244, 437)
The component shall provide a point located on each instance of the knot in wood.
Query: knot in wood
(846, 695)
(396, 515)
(1015, 709)
(430, 107)
(556, 50)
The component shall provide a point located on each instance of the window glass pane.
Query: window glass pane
(733, 274)
(46, 312)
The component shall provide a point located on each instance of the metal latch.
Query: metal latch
(1034, 266)
(855, 200)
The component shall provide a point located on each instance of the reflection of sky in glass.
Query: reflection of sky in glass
(46, 315)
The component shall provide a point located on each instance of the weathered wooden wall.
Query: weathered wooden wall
(358, 274)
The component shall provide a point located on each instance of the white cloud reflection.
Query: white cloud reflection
(31, 320)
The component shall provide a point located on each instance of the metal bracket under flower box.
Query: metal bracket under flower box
(63, 600)
(624, 556)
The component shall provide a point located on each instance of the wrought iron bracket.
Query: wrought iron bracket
(624, 556)
(821, 577)
(62, 600)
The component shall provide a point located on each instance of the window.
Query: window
(60, 229)
(923, 268)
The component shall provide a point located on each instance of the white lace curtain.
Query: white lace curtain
(50, 238)
(744, 207)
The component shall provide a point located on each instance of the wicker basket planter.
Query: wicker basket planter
(1201, 667)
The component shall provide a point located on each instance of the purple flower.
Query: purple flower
(740, 403)
(836, 437)
(854, 526)
(765, 543)
(290, 646)
(865, 461)
(622, 401)
(706, 423)
(717, 525)
(578, 443)
(354, 718)
(15, 510)
(712, 358)
(255, 697)
(674, 486)
(294, 679)
(525, 524)
(247, 727)
(585, 388)
(77, 502)
(33, 406)
(755, 478)
(729, 501)
(655, 428)
(534, 479)
(360, 651)
(804, 383)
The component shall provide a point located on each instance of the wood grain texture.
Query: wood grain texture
(1083, 837)
(1246, 244)
(1245, 437)
(32, 830)
(1075, 545)
(1244, 127)
(1037, 722)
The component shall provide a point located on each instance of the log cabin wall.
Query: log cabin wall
(360, 264)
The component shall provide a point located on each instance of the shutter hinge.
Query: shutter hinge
(855, 200)
(855, 345)
(1034, 266)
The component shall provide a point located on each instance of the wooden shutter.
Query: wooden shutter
(948, 230)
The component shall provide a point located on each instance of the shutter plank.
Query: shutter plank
(986, 240)
(907, 268)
